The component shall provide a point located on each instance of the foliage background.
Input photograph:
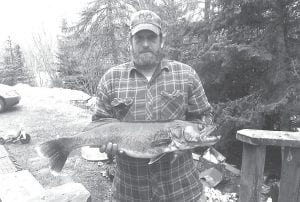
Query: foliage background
(247, 53)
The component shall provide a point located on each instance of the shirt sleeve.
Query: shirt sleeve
(198, 105)
(103, 108)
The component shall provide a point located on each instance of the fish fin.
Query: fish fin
(156, 158)
(57, 151)
(98, 123)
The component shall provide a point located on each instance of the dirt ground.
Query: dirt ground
(46, 113)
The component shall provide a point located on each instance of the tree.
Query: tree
(96, 42)
(42, 61)
(251, 45)
(14, 70)
(100, 39)
(249, 64)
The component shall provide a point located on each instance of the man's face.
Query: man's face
(146, 48)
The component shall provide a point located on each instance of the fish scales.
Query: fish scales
(136, 139)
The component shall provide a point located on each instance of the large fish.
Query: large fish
(136, 139)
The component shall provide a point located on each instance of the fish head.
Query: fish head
(182, 137)
(192, 135)
(198, 132)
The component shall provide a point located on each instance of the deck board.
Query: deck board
(267, 137)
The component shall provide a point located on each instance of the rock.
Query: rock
(69, 192)
(19, 187)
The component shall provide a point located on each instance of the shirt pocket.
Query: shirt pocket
(121, 107)
(172, 105)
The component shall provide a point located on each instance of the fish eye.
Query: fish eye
(201, 127)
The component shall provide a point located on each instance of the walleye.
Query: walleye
(136, 139)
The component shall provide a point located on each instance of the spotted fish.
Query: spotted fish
(136, 139)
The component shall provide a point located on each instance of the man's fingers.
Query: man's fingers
(102, 148)
(114, 149)
(109, 147)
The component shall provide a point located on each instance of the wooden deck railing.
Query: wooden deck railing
(253, 162)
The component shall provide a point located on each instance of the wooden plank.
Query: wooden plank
(290, 176)
(252, 172)
(267, 137)
(19, 186)
(232, 169)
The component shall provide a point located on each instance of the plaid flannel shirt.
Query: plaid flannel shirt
(174, 92)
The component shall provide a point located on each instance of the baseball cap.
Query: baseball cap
(145, 20)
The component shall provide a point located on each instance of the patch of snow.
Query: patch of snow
(61, 94)
(92, 102)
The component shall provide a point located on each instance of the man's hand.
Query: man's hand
(110, 148)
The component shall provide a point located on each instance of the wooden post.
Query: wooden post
(290, 176)
(252, 172)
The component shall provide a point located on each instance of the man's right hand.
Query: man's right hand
(110, 148)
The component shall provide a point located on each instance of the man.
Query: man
(152, 88)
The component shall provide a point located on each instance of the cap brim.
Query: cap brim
(141, 27)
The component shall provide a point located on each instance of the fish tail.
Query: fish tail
(57, 151)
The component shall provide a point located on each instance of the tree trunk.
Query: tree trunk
(280, 65)
(111, 31)
(206, 20)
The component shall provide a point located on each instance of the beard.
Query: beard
(146, 58)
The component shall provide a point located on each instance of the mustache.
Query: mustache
(146, 51)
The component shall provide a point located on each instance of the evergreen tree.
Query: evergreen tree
(249, 63)
(14, 70)
(98, 41)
